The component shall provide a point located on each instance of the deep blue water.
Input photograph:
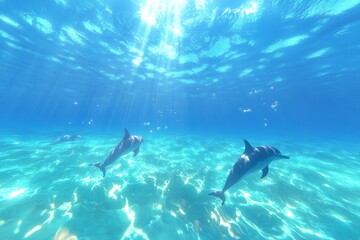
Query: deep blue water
(194, 78)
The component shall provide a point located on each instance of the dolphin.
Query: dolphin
(66, 138)
(253, 159)
(127, 144)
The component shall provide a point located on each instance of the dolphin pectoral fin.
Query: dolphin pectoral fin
(265, 171)
(100, 166)
(136, 151)
(220, 195)
(284, 157)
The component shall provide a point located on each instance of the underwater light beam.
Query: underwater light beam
(163, 15)
(148, 14)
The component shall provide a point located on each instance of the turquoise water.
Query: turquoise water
(194, 78)
(49, 192)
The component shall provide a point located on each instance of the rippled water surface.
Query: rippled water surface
(50, 192)
(194, 78)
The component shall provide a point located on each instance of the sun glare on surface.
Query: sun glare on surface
(163, 15)
(149, 12)
(252, 7)
(171, 17)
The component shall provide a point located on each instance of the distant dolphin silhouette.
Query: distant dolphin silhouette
(253, 159)
(127, 144)
(66, 138)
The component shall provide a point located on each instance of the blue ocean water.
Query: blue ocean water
(194, 78)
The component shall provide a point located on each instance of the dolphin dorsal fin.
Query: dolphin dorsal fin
(248, 147)
(127, 134)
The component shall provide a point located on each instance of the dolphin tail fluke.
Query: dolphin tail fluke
(100, 166)
(220, 195)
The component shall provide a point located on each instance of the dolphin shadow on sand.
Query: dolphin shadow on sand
(66, 138)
